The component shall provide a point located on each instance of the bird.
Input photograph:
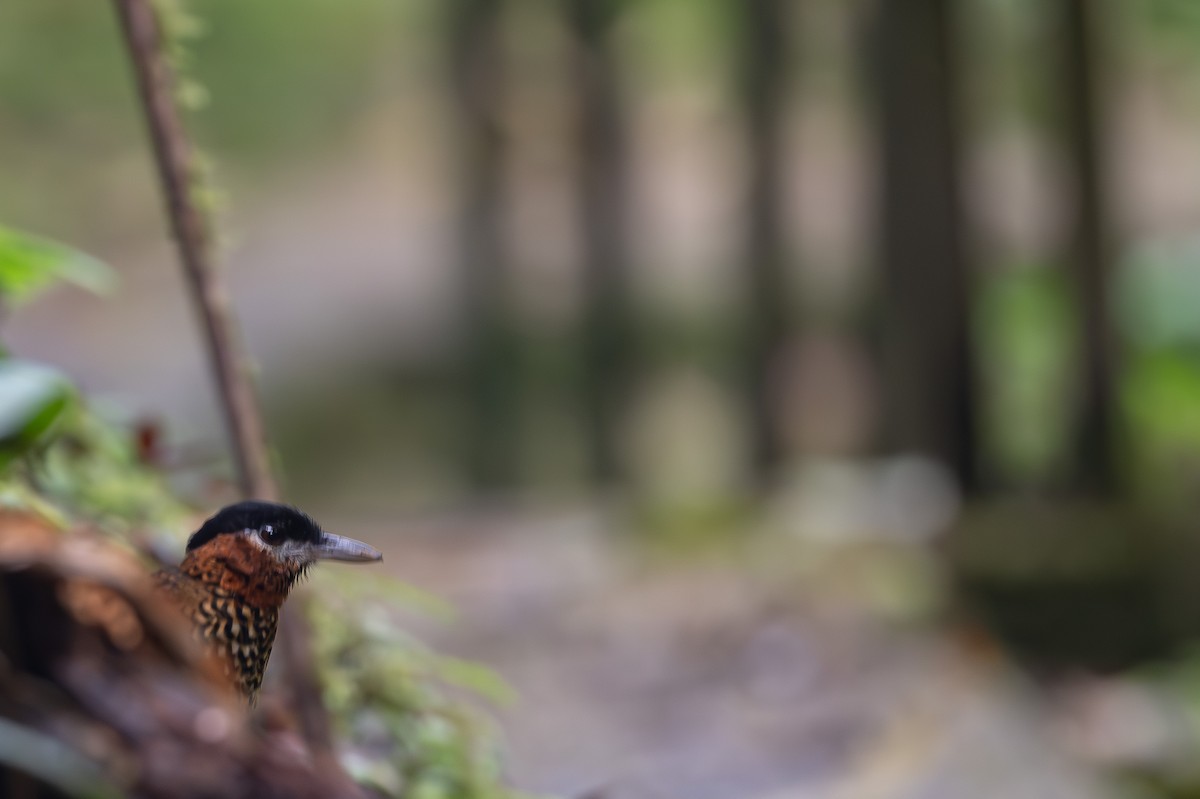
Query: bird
(101, 679)
(236, 573)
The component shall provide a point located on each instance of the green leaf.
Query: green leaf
(29, 265)
(33, 398)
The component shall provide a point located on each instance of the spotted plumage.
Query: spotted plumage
(238, 570)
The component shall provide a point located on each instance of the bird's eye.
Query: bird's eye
(271, 535)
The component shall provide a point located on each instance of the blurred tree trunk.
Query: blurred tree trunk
(763, 86)
(927, 369)
(1093, 468)
(603, 197)
(478, 83)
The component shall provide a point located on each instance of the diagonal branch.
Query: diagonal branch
(176, 169)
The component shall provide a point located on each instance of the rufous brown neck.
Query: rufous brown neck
(237, 567)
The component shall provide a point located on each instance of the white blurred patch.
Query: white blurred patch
(906, 498)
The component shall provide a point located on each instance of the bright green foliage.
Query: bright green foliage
(91, 472)
(53, 452)
(405, 727)
(33, 400)
(75, 467)
(30, 265)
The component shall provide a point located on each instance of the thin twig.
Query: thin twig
(176, 168)
(173, 155)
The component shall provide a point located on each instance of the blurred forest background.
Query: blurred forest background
(876, 315)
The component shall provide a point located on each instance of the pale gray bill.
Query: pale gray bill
(339, 547)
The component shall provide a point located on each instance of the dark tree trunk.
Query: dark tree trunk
(603, 195)
(764, 98)
(927, 372)
(1089, 254)
(476, 68)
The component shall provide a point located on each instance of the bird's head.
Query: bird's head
(259, 549)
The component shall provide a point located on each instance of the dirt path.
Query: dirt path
(704, 681)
